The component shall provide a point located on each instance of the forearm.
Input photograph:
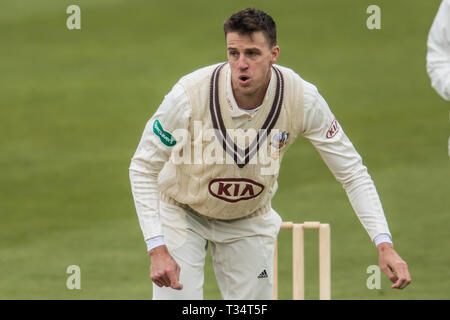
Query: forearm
(146, 198)
(366, 202)
(345, 163)
(359, 187)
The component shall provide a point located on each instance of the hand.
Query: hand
(393, 266)
(164, 271)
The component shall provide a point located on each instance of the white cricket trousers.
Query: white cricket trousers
(242, 253)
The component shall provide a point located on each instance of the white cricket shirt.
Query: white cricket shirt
(338, 153)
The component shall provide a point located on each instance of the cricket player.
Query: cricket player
(438, 55)
(197, 182)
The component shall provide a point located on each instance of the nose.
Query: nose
(242, 62)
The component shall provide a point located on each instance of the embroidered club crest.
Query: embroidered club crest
(278, 141)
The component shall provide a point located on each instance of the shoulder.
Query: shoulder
(198, 76)
(287, 72)
(290, 73)
(310, 91)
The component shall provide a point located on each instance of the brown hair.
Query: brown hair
(250, 20)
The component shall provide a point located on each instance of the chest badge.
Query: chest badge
(278, 141)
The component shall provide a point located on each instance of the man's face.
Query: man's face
(250, 59)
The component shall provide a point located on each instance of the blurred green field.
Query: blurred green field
(73, 105)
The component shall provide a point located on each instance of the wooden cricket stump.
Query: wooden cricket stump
(298, 260)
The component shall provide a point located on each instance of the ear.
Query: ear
(275, 53)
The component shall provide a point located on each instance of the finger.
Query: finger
(387, 270)
(404, 279)
(403, 276)
(401, 283)
(153, 278)
(397, 284)
(407, 281)
(165, 280)
(158, 283)
(173, 277)
(161, 280)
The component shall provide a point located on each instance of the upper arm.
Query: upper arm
(158, 139)
(327, 136)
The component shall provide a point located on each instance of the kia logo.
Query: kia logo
(234, 190)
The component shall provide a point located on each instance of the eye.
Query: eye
(234, 53)
(252, 53)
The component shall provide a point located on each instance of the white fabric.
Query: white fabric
(155, 242)
(382, 238)
(438, 55)
(241, 251)
(337, 152)
(150, 157)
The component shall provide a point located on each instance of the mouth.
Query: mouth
(244, 80)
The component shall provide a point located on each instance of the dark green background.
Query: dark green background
(73, 105)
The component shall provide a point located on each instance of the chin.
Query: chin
(249, 91)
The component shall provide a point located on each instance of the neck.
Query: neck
(253, 100)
